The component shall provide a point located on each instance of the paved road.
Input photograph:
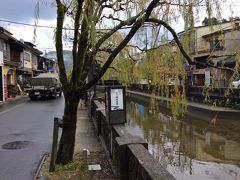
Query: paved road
(30, 121)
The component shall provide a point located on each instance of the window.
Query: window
(5, 50)
(34, 60)
(26, 56)
(4, 46)
(216, 44)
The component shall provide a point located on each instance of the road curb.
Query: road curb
(36, 176)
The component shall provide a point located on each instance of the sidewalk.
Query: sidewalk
(17, 99)
(86, 138)
(85, 134)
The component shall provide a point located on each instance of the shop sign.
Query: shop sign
(199, 71)
(1, 58)
(116, 99)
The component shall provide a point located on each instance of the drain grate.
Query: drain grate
(16, 145)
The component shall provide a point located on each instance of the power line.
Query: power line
(127, 27)
(53, 27)
(26, 24)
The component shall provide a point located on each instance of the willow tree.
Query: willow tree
(95, 22)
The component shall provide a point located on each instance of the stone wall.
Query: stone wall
(128, 154)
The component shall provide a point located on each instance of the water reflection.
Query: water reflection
(189, 149)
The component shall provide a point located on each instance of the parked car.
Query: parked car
(45, 85)
(236, 84)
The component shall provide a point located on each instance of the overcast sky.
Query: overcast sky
(23, 11)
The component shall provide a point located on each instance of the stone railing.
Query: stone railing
(128, 155)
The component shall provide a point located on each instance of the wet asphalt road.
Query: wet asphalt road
(31, 121)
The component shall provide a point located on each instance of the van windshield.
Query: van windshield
(43, 82)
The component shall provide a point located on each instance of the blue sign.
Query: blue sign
(50, 68)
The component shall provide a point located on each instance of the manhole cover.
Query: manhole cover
(16, 145)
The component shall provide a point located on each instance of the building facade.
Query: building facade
(217, 45)
(10, 51)
(29, 63)
(19, 61)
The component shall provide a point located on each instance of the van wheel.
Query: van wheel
(54, 96)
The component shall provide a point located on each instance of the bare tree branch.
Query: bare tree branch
(175, 36)
(111, 67)
(113, 18)
(59, 46)
(84, 42)
(124, 42)
(130, 56)
(143, 49)
(111, 6)
(75, 39)
(107, 35)
(115, 29)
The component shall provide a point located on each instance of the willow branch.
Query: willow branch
(130, 56)
(124, 42)
(179, 44)
(175, 36)
(104, 38)
(115, 29)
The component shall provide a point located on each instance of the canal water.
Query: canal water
(188, 148)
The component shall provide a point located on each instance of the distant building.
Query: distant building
(19, 61)
(217, 45)
(29, 63)
(10, 49)
(47, 64)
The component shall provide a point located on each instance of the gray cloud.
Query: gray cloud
(24, 10)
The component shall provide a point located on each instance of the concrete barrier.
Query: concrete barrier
(128, 155)
(142, 166)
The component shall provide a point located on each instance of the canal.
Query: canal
(189, 148)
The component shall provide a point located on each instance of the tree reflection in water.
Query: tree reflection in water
(188, 148)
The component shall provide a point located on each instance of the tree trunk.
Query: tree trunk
(67, 141)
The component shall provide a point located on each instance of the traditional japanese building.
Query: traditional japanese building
(217, 45)
(10, 49)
